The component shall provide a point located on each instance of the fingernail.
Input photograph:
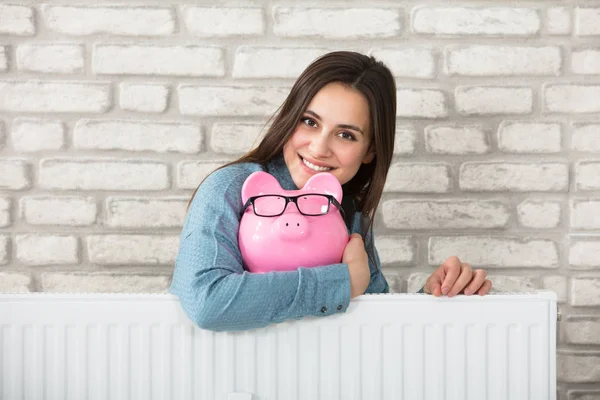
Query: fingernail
(445, 290)
(468, 292)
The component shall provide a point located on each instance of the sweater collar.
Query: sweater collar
(277, 167)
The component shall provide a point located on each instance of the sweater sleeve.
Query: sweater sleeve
(214, 289)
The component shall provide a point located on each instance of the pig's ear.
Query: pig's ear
(324, 182)
(260, 183)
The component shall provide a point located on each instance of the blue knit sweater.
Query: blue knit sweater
(214, 289)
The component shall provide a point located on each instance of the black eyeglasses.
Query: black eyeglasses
(273, 205)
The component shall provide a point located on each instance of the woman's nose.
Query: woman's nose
(319, 146)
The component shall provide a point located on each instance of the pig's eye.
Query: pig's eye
(309, 122)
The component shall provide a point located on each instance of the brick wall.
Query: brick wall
(111, 114)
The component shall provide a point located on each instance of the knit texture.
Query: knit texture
(214, 289)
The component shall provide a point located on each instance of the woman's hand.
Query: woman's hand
(454, 277)
(358, 265)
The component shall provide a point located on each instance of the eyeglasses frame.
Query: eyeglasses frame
(294, 199)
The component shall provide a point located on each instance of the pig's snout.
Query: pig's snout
(292, 226)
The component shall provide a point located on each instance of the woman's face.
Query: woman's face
(333, 135)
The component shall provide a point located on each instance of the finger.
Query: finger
(463, 280)
(485, 288)
(452, 271)
(434, 285)
(479, 276)
(356, 236)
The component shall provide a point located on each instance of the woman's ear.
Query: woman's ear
(369, 157)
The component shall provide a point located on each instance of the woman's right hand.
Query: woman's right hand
(357, 260)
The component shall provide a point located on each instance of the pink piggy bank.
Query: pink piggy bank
(275, 235)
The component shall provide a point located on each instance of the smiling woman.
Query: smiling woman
(339, 118)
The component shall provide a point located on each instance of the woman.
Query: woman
(339, 117)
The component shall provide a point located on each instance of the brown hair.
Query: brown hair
(376, 83)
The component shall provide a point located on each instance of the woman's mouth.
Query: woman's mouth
(314, 167)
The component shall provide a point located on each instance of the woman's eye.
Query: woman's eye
(347, 135)
(309, 121)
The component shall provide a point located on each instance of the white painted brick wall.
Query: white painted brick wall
(5, 214)
(37, 249)
(59, 58)
(111, 114)
(34, 135)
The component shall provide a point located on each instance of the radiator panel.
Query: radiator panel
(109, 346)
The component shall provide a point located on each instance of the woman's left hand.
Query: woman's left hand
(454, 277)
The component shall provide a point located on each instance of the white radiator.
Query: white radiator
(111, 346)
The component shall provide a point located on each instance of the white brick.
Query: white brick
(514, 177)
(416, 281)
(572, 98)
(491, 100)
(63, 210)
(144, 212)
(15, 282)
(221, 21)
(496, 21)
(131, 21)
(587, 21)
(529, 137)
(444, 214)
(103, 282)
(14, 174)
(586, 137)
(502, 60)
(4, 242)
(3, 59)
(32, 134)
(234, 138)
(57, 58)
(582, 329)
(583, 253)
(539, 214)
(37, 96)
(587, 175)
(585, 214)
(2, 135)
(232, 101)
(331, 23)
(191, 173)
(579, 367)
(396, 250)
(160, 137)
(16, 20)
(408, 62)
(586, 62)
(583, 394)
(105, 174)
(559, 21)
(270, 62)
(456, 140)
(585, 291)
(418, 178)
(495, 251)
(47, 249)
(557, 284)
(5, 217)
(421, 103)
(405, 140)
(144, 97)
(132, 249)
(158, 60)
(511, 284)
(395, 280)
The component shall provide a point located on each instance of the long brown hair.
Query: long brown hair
(376, 83)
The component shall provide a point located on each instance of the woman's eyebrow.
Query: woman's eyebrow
(345, 126)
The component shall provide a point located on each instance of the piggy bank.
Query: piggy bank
(293, 228)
